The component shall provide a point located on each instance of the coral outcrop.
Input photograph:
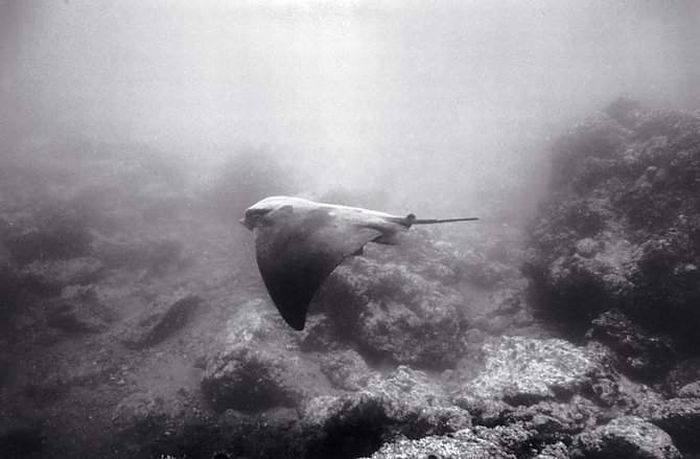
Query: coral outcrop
(620, 227)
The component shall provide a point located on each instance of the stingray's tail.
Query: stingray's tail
(412, 220)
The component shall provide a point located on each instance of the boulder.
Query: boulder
(356, 425)
(406, 402)
(389, 311)
(680, 417)
(259, 365)
(554, 451)
(684, 372)
(691, 390)
(463, 444)
(345, 369)
(524, 371)
(555, 421)
(257, 378)
(620, 226)
(629, 437)
(639, 352)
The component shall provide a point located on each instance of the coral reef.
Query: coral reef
(133, 322)
(619, 229)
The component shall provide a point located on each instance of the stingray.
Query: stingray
(298, 243)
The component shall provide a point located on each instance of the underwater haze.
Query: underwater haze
(134, 321)
(388, 95)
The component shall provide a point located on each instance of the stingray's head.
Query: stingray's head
(254, 218)
(259, 214)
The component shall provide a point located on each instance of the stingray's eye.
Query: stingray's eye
(253, 217)
(256, 213)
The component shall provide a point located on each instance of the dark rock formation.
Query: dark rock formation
(405, 403)
(524, 371)
(629, 437)
(462, 444)
(259, 365)
(680, 417)
(20, 438)
(392, 312)
(47, 232)
(621, 227)
(345, 369)
(639, 352)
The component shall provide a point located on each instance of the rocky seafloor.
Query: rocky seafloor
(133, 322)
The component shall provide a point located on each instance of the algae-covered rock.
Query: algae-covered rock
(345, 369)
(690, 390)
(627, 436)
(256, 378)
(680, 417)
(406, 403)
(259, 365)
(464, 444)
(391, 311)
(554, 451)
(620, 226)
(524, 371)
(639, 352)
(357, 425)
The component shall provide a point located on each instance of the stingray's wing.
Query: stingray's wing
(297, 251)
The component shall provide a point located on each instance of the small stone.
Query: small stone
(587, 247)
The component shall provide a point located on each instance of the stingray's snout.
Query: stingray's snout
(246, 223)
(254, 217)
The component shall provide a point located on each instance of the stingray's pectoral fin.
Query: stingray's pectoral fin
(387, 239)
(293, 313)
(359, 252)
(297, 254)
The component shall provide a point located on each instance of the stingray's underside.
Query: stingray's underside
(297, 251)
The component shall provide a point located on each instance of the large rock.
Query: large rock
(639, 352)
(630, 437)
(390, 311)
(525, 371)
(404, 403)
(680, 417)
(463, 444)
(620, 226)
(259, 365)
(345, 369)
